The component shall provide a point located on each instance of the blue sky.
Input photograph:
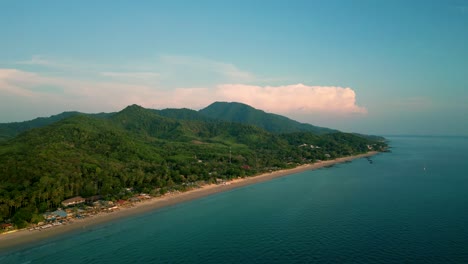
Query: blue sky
(383, 67)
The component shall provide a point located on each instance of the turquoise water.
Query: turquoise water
(408, 206)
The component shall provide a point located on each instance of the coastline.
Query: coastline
(24, 237)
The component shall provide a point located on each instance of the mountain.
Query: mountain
(148, 150)
(10, 130)
(242, 113)
(182, 114)
(230, 112)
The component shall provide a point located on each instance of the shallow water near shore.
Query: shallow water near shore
(406, 206)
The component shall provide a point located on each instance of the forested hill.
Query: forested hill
(242, 113)
(11, 130)
(230, 112)
(147, 150)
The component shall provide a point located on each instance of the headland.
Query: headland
(26, 236)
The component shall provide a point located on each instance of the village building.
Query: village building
(6, 226)
(55, 215)
(134, 199)
(92, 199)
(144, 196)
(113, 208)
(73, 201)
(121, 202)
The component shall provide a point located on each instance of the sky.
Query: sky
(377, 67)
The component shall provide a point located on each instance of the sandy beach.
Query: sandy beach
(23, 237)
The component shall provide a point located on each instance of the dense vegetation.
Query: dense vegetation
(242, 113)
(148, 150)
(11, 130)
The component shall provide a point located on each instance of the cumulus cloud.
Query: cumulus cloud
(16, 82)
(293, 98)
(27, 87)
(112, 96)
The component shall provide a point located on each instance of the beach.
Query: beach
(23, 237)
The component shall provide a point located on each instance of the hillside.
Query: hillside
(141, 149)
(182, 114)
(230, 112)
(11, 130)
(242, 113)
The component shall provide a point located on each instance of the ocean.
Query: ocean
(407, 206)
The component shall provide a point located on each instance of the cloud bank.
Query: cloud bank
(36, 90)
(294, 98)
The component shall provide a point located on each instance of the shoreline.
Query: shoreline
(24, 237)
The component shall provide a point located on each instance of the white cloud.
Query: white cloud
(165, 82)
(169, 70)
(10, 82)
(296, 98)
(75, 94)
(199, 64)
(110, 95)
(39, 60)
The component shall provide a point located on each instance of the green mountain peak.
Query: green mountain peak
(242, 113)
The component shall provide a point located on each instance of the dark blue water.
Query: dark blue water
(408, 206)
